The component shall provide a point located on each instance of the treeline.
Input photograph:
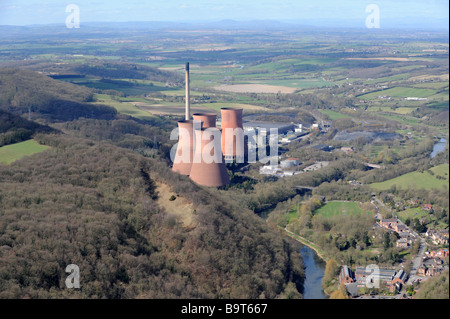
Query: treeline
(149, 138)
(95, 205)
(14, 129)
(117, 70)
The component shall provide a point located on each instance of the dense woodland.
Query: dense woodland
(91, 200)
(434, 288)
(93, 204)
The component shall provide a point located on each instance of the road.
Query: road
(417, 262)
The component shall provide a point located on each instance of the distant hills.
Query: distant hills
(24, 91)
(316, 24)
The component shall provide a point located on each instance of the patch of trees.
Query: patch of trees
(434, 288)
(14, 129)
(116, 70)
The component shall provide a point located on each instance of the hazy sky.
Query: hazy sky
(412, 12)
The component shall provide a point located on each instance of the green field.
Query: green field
(122, 107)
(412, 213)
(418, 180)
(332, 209)
(400, 92)
(11, 153)
(333, 115)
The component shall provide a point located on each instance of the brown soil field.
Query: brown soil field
(383, 59)
(160, 109)
(255, 88)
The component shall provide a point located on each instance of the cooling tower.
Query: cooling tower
(185, 150)
(233, 145)
(207, 119)
(208, 168)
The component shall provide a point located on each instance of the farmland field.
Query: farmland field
(418, 180)
(122, 107)
(333, 115)
(332, 209)
(401, 92)
(13, 152)
(398, 110)
(255, 88)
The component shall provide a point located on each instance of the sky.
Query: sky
(329, 12)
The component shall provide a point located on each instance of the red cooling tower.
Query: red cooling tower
(208, 168)
(182, 162)
(208, 119)
(232, 144)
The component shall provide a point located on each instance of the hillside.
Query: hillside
(436, 177)
(96, 205)
(23, 91)
(15, 129)
(434, 288)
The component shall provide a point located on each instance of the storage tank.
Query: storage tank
(208, 167)
(208, 119)
(232, 145)
(186, 142)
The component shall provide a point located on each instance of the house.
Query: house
(399, 278)
(422, 270)
(434, 271)
(394, 288)
(346, 275)
(347, 150)
(414, 202)
(403, 243)
(352, 289)
(441, 253)
(400, 228)
(438, 237)
(427, 207)
(389, 223)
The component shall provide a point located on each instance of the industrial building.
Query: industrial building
(199, 133)
(212, 172)
(290, 162)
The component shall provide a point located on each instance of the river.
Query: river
(314, 271)
(314, 268)
(438, 147)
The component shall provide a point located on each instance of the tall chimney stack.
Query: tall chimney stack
(188, 105)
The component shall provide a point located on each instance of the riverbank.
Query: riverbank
(306, 242)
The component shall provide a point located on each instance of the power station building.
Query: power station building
(204, 143)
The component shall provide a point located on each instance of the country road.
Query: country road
(416, 262)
